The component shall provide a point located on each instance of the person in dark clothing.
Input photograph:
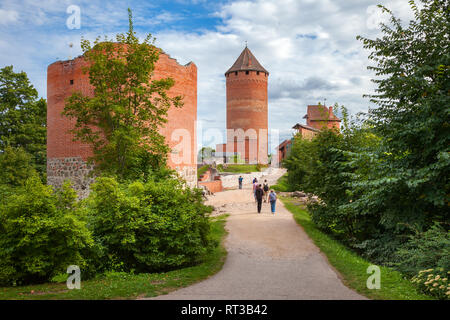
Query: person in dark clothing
(240, 182)
(259, 193)
(266, 190)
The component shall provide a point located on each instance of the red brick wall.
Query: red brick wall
(60, 142)
(320, 124)
(247, 108)
(213, 186)
(205, 177)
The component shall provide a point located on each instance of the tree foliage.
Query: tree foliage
(410, 184)
(41, 233)
(383, 182)
(144, 227)
(205, 153)
(16, 167)
(121, 120)
(23, 117)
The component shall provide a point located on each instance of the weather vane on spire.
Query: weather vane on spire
(246, 43)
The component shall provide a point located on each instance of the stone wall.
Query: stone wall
(189, 174)
(231, 180)
(74, 169)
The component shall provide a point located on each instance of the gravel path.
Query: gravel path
(269, 257)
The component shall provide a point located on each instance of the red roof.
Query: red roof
(298, 126)
(320, 113)
(285, 142)
(246, 62)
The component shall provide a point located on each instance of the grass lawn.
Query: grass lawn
(241, 168)
(202, 170)
(351, 266)
(129, 286)
(282, 185)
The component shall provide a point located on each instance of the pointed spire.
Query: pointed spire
(246, 62)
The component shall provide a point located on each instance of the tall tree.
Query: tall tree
(409, 186)
(205, 153)
(23, 117)
(121, 120)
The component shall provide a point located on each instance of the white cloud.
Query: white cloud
(8, 16)
(308, 46)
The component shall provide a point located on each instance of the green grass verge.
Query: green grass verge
(202, 170)
(351, 266)
(129, 286)
(282, 185)
(241, 168)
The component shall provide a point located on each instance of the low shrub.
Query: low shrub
(430, 249)
(434, 282)
(41, 233)
(147, 226)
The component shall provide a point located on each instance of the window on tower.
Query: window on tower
(246, 72)
(235, 73)
(257, 73)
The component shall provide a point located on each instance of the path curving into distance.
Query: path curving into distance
(269, 257)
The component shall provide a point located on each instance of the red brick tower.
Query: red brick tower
(247, 119)
(67, 159)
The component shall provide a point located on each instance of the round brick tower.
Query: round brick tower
(67, 159)
(247, 120)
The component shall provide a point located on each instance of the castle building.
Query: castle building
(317, 118)
(247, 110)
(67, 159)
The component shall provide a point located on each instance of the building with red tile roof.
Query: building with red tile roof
(317, 118)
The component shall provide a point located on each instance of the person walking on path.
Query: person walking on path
(266, 190)
(273, 201)
(240, 182)
(259, 193)
(255, 186)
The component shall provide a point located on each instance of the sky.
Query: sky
(308, 46)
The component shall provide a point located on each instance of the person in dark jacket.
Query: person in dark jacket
(266, 190)
(259, 193)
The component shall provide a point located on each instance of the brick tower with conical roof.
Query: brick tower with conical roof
(247, 108)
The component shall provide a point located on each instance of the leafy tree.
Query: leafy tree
(409, 185)
(23, 116)
(15, 167)
(205, 153)
(122, 118)
(326, 167)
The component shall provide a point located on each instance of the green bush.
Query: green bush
(430, 249)
(146, 227)
(41, 234)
